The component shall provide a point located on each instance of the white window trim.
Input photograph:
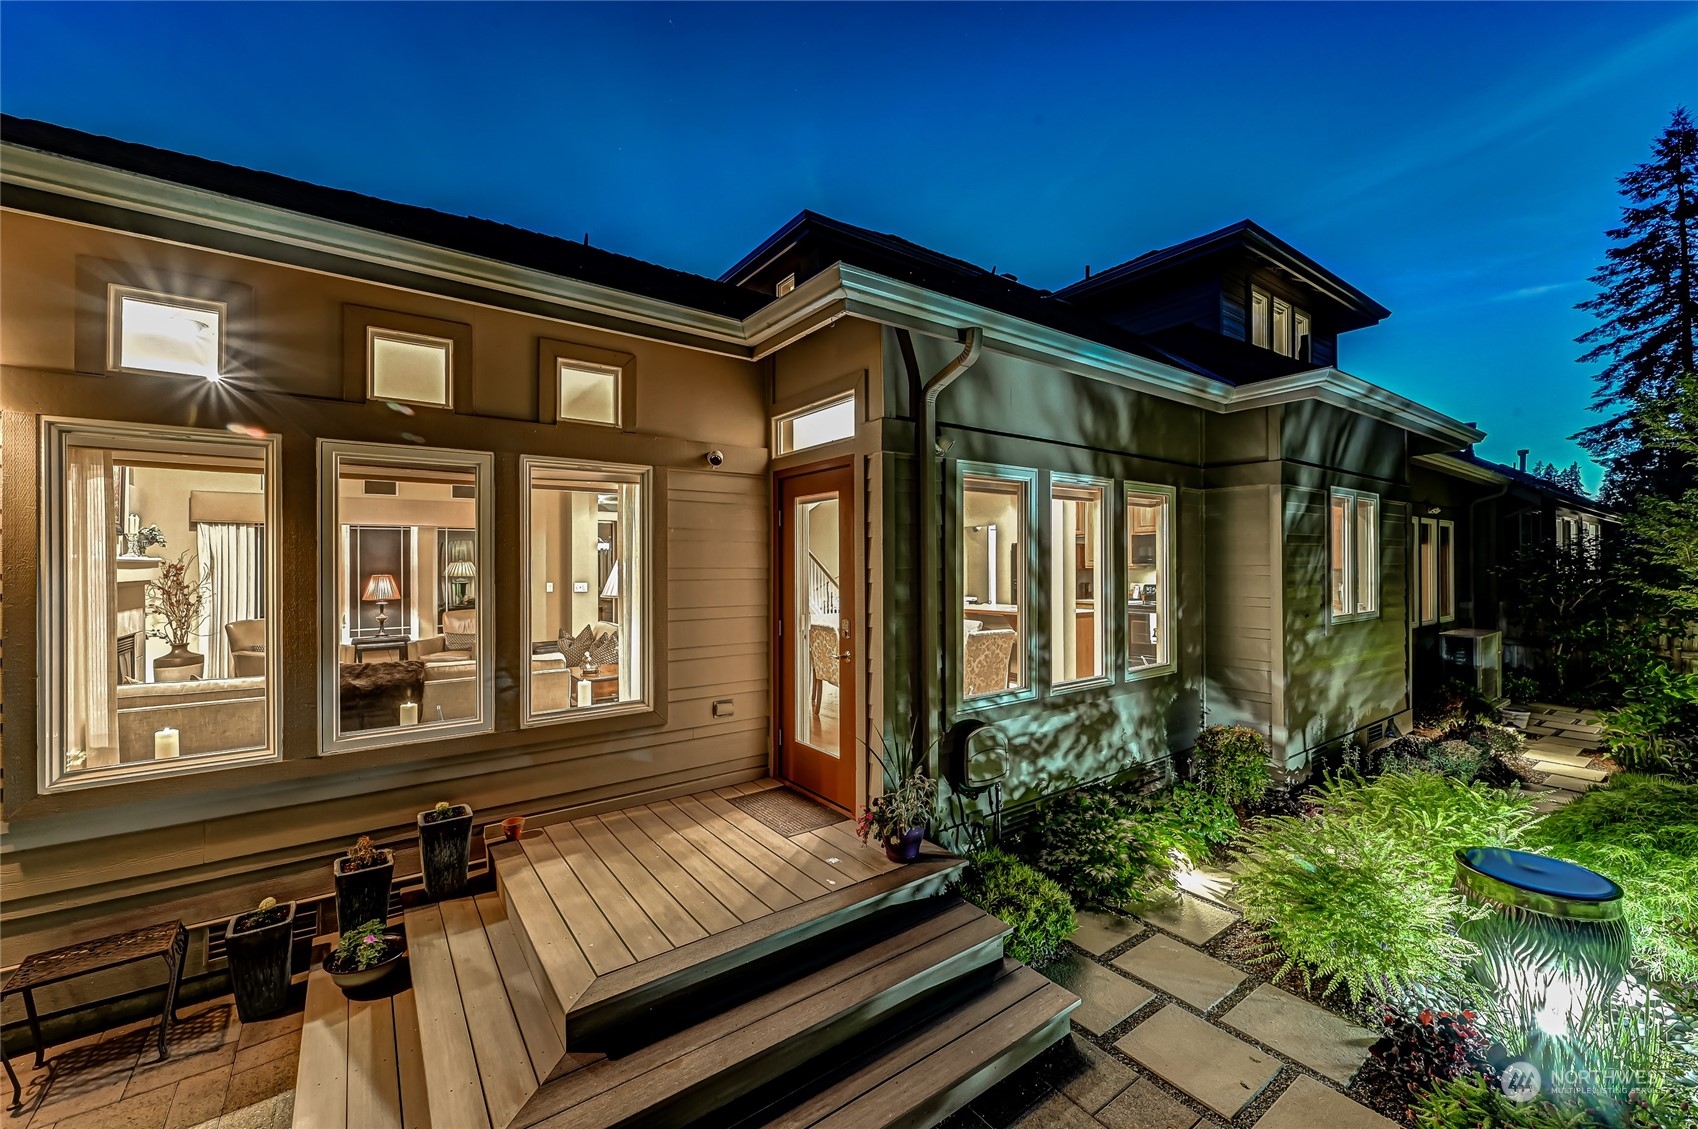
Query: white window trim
(1427, 581)
(643, 639)
(331, 453)
(374, 333)
(561, 364)
(57, 435)
(1349, 555)
(1107, 561)
(1165, 570)
(1028, 478)
(115, 295)
(781, 450)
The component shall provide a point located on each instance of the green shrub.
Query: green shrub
(1475, 1103)
(1642, 833)
(1232, 763)
(1189, 821)
(1089, 840)
(1657, 730)
(1038, 910)
(1520, 687)
(1360, 895)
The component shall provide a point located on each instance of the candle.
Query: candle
(165, 744)
(409, 713)
(584, 693)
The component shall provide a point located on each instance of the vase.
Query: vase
(261, 965)
(179, 665)
(904, 847)
(362, 895)
(445, 847)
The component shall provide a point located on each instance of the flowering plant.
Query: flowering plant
(909, 794)
(362, 947)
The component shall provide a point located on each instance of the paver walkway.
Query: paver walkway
(1563, 748)
(222, 1074)
(1167, 1036)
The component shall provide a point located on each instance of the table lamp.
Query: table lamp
(381, 588)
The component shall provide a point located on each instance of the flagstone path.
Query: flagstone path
(1563, 747)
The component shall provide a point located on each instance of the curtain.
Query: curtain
(232, 556)
(91, 626)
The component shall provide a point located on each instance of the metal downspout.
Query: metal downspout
(929, 588)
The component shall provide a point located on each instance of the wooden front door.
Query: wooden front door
(815, 524)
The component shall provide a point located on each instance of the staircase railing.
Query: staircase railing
(824, 597)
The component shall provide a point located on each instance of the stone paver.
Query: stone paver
(1198, 979)
(1056, 1112)
(1307, 1104)
(1194, 920)
(1569, 783)
(1097, 931)
(1596, 775)
(1105, 996)
(1326, 1043)
(1147, 1106)
(1221, 1071)
(1092, 1077)
(1556, 756)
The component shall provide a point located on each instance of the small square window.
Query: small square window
(589, 393)
(164, 334)
(410, 368)
(815, 426)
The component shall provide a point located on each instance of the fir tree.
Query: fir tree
(1647, 335)
(1566, 477)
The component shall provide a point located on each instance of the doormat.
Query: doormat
(786, 812)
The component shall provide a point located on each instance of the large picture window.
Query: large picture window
(586, 594)
(159, 641)
(405, 596)
(1078, 548)
(1149, 580)
(1354, 545)
(993, 582)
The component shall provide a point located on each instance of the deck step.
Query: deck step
(638, 1001)
(937, 1068)
(695, 1076)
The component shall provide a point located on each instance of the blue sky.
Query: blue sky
(1456, 161)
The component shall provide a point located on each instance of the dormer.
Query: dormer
(1242, 284)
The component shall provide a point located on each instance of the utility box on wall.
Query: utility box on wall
(1475, 656)
(975, 755)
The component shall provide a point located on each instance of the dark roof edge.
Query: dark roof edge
(1533, 482)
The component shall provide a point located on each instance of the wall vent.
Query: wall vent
(465, 491)
(378, 487)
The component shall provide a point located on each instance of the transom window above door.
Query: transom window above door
(815, 425)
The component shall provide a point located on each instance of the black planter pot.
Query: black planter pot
(362, 895)
(445, 852)
(261, 966)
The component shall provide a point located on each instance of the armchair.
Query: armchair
(246, 640)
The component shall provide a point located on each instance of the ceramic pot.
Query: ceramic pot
(261, 965)
(906, 847)
(513, 827)
(362, 895)
(445, 851)
(357, 978)
(178, 665)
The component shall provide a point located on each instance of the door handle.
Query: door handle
(845, 657)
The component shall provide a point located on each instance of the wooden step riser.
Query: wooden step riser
(720, 1098)
(651, 1011)
(995, 1070)
(545, 985)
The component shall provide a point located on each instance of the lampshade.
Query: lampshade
(460, 570)
(381, 586)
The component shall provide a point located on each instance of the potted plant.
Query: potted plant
(260, 944)
(445, 848)
(362, 883)
(899, 817)
(364, 955)
(175, 602)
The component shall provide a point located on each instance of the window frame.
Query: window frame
(1446, 602)
(1027, 479)
(57, 435)
(643, 478)
(781, 449)
(116, 292)
(1108, 560)
(1434, 586)
(331, 453)
(1165, 565)
(1351, 569)
(374, 333)
(554, 354)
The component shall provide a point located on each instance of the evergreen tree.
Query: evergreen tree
(1566, 477)
(1647, 335)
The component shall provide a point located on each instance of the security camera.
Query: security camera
(716, 458)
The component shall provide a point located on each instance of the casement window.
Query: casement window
(406, 595)
(1078, 563)
(1435, 571)
(165, 334)
(586, 593)
(1149, 580)
(1278, 325)
(815, 425)
(996, 613)
(159, 591)
(1354, 549)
